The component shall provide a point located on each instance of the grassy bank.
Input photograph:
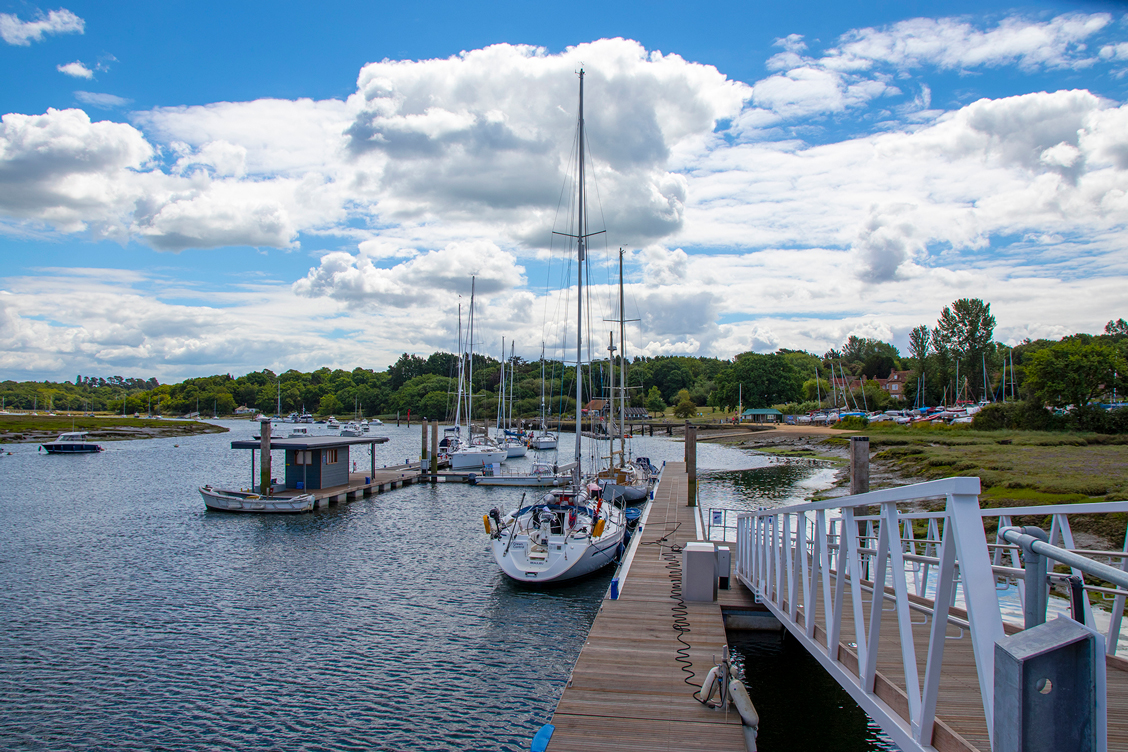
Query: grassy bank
(1017, 468)
(16, 429)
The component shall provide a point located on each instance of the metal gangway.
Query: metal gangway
(919, 651)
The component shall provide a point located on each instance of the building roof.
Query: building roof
(761, 411)
(310, 442)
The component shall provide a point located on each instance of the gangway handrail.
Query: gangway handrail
(795, 556)
(1085, 564)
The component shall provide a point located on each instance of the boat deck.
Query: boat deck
(627, 691)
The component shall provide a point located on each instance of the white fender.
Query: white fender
(708, 686)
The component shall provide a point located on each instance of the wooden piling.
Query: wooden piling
(434, 451)
(859, 464)
(691, 461)
(423, 451)
(264, 460)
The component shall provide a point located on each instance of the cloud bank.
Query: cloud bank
(747, 236)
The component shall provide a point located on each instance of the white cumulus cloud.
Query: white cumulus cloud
(355, 279)
(75, 70)
(23, 33)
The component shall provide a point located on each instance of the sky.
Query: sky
(198, 188)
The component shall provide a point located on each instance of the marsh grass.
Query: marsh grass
(23, 428)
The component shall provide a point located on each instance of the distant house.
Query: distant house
(761, 415)
(596, 406)
(244, 410)
(895, 384)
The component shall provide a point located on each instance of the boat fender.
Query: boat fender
(486, 522)
(598, 529)
(748, 715)
(540, 741)
(708, 686)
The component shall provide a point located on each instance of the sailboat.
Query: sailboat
(506, 438)
(624, 479)
(465, 453)
(543, 440)
(571, 531)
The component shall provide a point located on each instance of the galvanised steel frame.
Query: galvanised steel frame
(788, 555)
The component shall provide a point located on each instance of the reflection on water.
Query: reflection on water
(801, 707)
(774, 485)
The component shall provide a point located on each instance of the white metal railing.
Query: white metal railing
(793, 557)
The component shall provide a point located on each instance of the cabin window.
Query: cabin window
(330, 456)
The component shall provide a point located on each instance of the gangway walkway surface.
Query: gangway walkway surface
(627, 692)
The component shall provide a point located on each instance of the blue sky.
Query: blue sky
(196, 188)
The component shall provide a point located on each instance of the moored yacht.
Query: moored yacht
(569, 532)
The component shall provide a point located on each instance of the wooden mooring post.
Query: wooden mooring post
(691, 461)
(264, 460)
(859, 465)
(434, 451)
(423, 451)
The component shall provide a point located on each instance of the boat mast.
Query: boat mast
(461, 371)
(580, 242)
(501, 389)
(622, 362)
(470, 370)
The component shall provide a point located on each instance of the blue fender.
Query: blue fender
(540, 740)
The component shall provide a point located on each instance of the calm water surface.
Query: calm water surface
(133, 619)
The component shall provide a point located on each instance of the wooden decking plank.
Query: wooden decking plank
(627, 691)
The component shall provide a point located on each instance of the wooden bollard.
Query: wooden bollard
(859, 464)
(691, 461)
(434, 451)
(423, 453)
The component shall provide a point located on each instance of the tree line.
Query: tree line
(957, 359)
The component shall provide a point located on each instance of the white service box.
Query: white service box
(699, 572)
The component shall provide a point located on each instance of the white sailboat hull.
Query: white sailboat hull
(542, 443)
(573, 559)
(462, 459)
(532, 480)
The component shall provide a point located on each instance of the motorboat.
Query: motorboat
(568, 532)
(222, 500)
(332, 423)
(299, 432)
(73, 442)
(543, 474)
(352, 429)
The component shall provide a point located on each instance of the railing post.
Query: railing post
(1037, 595)
(979, 593)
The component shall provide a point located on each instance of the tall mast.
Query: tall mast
(461, 371)
(470, 370)
(611, 411)
(580, 243)
(622, 362)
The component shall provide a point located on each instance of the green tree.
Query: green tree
(686, 408)
(329, 405)
(763, 380)
(654, 401)
(968, 328)
(405, 369)
(1074, 372)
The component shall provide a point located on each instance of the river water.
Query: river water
(133, 619)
